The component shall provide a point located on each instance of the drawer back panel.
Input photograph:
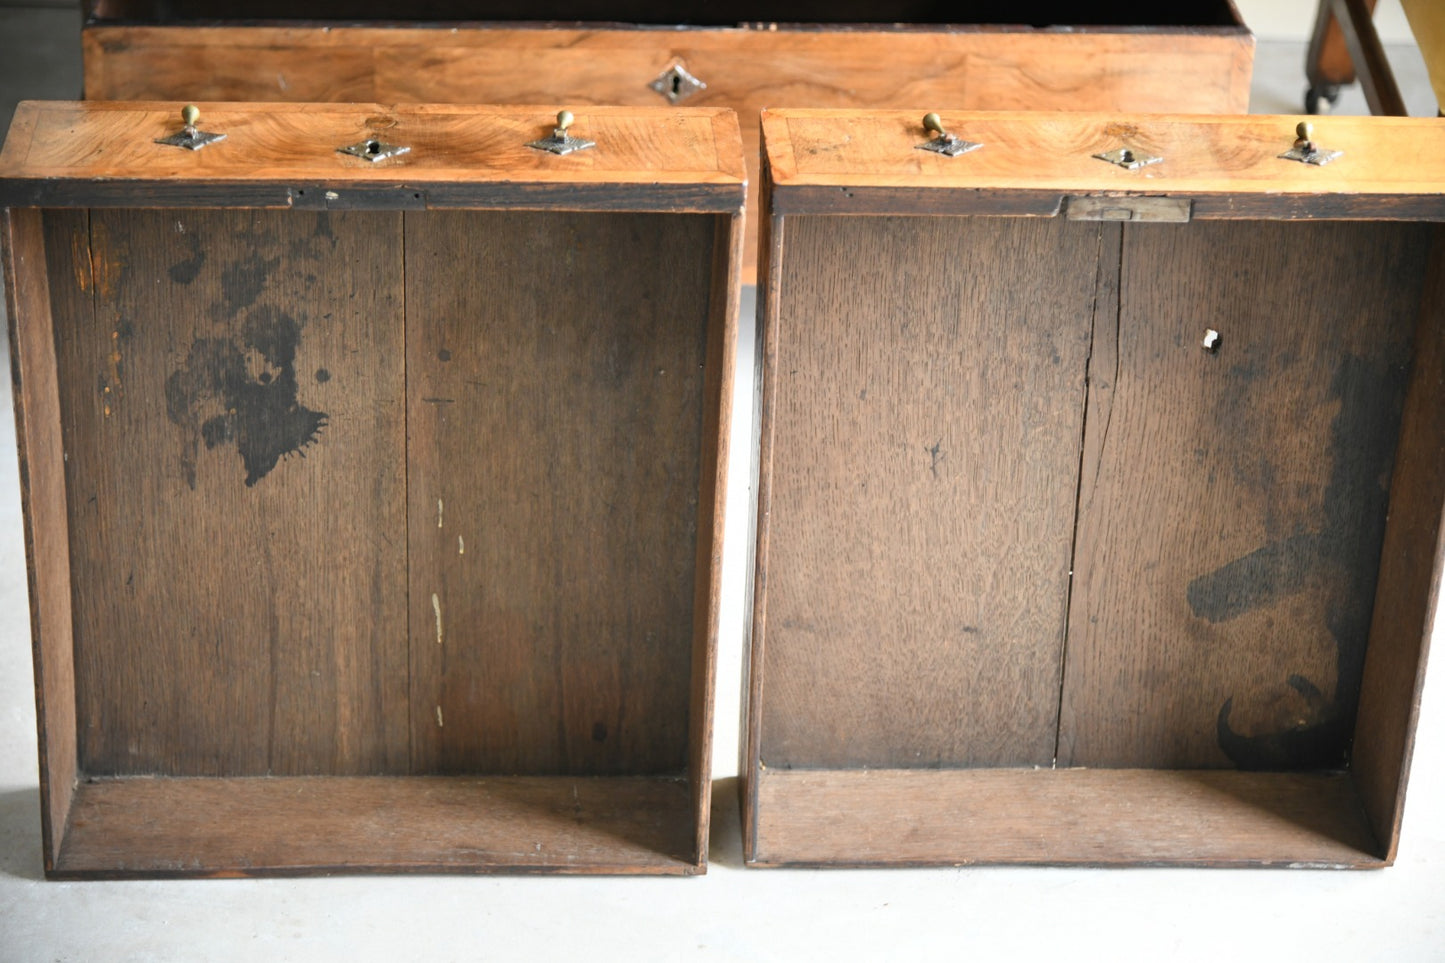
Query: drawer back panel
(378, 493)
(925, 445)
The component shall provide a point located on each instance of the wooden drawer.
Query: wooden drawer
(1198, 59)
(372, 509)
(1083, 541)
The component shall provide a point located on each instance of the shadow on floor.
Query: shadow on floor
(20, 834)
(725, 838)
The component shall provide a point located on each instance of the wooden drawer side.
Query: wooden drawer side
(1407, 599)
(28, 236)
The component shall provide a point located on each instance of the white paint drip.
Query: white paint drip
(436, 606)
(439, 717)
(439, 513)
(461, 546)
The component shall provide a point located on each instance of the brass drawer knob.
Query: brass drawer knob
(1305, 150)
(562, 142)
(189, 137)
(947, 144)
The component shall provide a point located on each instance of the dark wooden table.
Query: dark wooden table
(1345, 46)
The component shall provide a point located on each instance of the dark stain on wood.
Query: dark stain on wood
(1308, 745)
(184, 272)
(259, 412)
(243, 281)
(1255, 580)
(1229, 540)
(274, 613)
(1363, 453)
(1362, 448)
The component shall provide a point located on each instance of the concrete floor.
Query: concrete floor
(732, 913)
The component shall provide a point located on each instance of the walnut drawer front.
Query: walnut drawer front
(1200, 61)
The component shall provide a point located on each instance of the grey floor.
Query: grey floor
(732, 913)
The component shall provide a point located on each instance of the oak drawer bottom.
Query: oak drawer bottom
(1061, 816)
(305, 825)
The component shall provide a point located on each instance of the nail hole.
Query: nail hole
(1211, 341)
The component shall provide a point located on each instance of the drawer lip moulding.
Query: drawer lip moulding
(374, 498)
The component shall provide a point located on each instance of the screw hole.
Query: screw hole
(373, 147)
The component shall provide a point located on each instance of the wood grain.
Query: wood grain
(1230, 530)
(308, 825)
(924, 442)
(237, 558)
(1203, 156)
(680, 159)
(29, 240)
(720, 359)
(1063, 817)
(1197, 71)
(746, 69)
(556, 378)
(1407, 599)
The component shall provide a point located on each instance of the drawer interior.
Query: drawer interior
(1029, 13)
(389, 522)
(1029, 538)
